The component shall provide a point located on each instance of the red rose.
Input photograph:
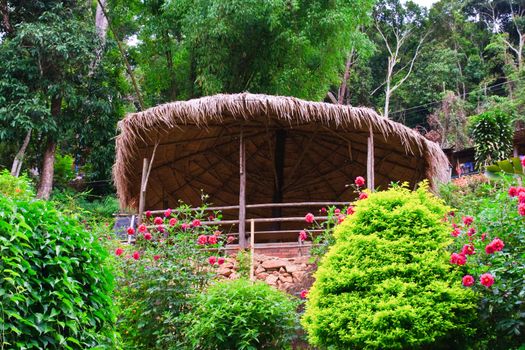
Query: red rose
(212, 260)
(523, 161)
(173, 222)
(363, 195)
(468, 281)
(303, 235)
(136, 255)
(489, 249)
(455, 232)
(160, 228)
(513, 191)
(467, 220)
(452, 213)
(158, 220)
(521, 209)
(184, 226)
(147, 236)
(148, 214)
(131, 231)
(212, 239)
(196, 223)
(202, 240)
(119, 251)
(497, 244)
(211, 218)
(220, 261)
(156, 257)
(323, 210)
(230, 239)
(142, 228)
(468, 249)
(304, 294)
(487, 279)
(458, 259)
(350, 210)
(483, 237)
(471, 232)
(167, 213)
(359, 181)
(340, 219)
(309, 218)
(521, 197)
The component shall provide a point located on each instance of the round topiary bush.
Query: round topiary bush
(387, 283)
(53, 284)
(242, 315)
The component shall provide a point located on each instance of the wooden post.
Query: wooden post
(242, 192)
(370, 161)
(142, 198)
(252, 249)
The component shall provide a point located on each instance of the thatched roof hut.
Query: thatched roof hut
(295, 151)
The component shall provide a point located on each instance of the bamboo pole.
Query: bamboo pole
(370, 161)
(242, 191)
(142, 198)
(252, 249)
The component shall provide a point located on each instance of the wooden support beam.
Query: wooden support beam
(242, 191)
(252, 250)
(142, 198)
(370, 161)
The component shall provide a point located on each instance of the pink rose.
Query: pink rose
(350, 210)
(521, 197)
(196, 223)
(309, 218)
(513, 191)
(148, 214)
(147, 236)
(119, 251)
(167, 213)
(220, 261)
(303, 235)
(483, 237)
(202, 240)
(521, 209)
(471, 232)
(468, 281)
(212, 260)
(142, 228)
(158, 220)
(230, 239)
(304, 294)
(173, 222)
(487, 280)
(359, 181)
(323, 210)
(156, 257)
(184, 226)
(363, 195)
(467, 220)
(497, 244)
(212, 239)
(455, 232)
(136, 255)
(468, 249)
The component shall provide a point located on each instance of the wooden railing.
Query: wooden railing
(258, 220)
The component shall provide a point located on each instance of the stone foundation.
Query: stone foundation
(288, 274)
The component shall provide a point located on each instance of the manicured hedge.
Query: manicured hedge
(387, 283)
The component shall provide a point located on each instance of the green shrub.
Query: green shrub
(241, 314)
(386, 283)
(15, 187)
(54, 286)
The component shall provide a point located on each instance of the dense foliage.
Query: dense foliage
(490, 234)
(386, 282)
(54, 282)
(173, 261)
(493, 135)
(242, 314)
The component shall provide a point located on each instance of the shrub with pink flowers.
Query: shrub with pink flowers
(491, 241)
(387, 283)
(173, 260)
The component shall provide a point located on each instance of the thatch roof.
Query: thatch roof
(324, 149)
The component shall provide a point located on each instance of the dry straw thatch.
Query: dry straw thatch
(324, 148)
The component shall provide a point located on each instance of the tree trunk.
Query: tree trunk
(46, 176)
(346, 75)
(19, 158)
(5, 17)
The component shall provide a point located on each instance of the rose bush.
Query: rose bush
(172, 261)
(387, 281)
(495, 258)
